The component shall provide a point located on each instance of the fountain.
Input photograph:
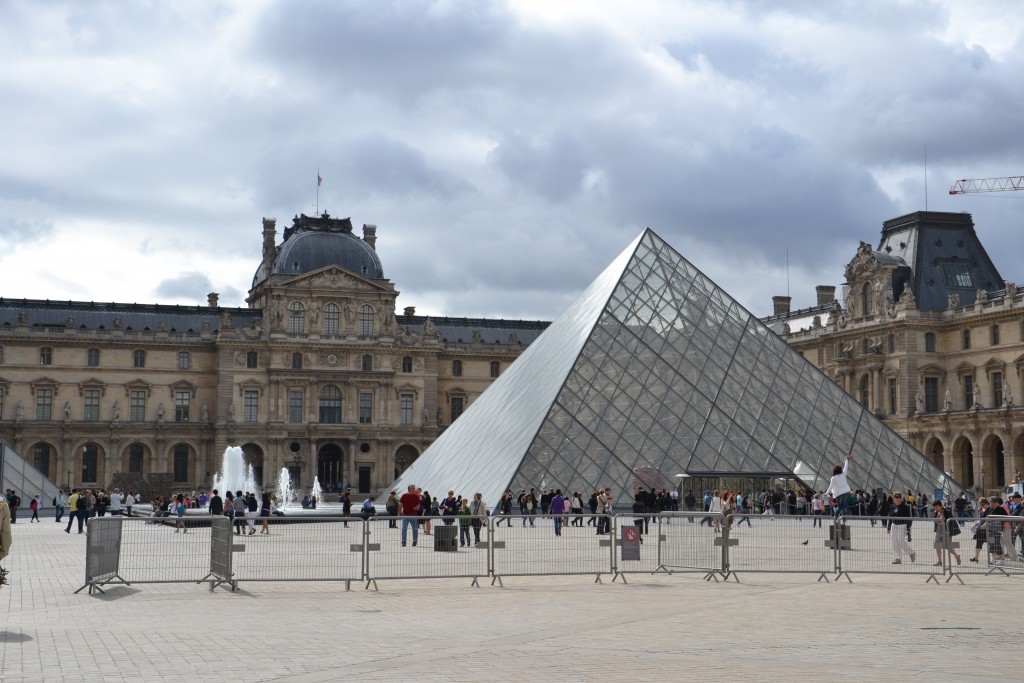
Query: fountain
(285, 492)
(234, 474)
(317, 493)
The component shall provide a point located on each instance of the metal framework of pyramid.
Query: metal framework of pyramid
(656, 371)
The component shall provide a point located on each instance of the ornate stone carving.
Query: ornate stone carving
(1011, 290)
(70, 321)
(947, 402)
(225, 321)
(117, 323)
(23, 318)
(981, 296)
(161, 326)
(953, 301)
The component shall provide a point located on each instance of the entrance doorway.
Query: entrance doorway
(738, 483)
(329, 467)
(364, 480)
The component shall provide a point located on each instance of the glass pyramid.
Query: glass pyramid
(653, 372)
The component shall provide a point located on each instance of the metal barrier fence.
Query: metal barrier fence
(217, 551)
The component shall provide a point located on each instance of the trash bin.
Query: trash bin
(446, 538)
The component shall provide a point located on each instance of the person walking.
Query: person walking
(556, 506)
(505, 509)
(839, 488)
(409, 505)
(817, 511)
(465, 516)
(239, 506)
(129, 503)
(898, 525)
(266, 507)
(576, 503)
(76, 510)
(945, 529)
(479, 512)
(392, 509)
(34, 507)
(60, 502)
(179, 512)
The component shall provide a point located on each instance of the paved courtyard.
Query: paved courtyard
(565, 628)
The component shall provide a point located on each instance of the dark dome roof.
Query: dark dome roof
(313, 243)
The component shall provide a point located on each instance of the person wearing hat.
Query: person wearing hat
(945, 528)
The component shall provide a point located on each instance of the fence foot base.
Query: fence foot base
(475, 583)
(373, 582)
(846, 574)
(823, 576)
(498, 579)
(730, 575)
(955, 576)
(616, 575)
(597, 579)
(662, 568)
(931, 577)
(711, 575)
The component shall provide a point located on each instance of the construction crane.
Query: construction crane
(970, 186)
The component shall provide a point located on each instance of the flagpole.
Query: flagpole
(318, 191)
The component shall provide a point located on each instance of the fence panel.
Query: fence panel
(437, 552)
(876, 550)
(527, 545)
(780, 544)
(155, 550)
(298, 549)
(994, 541)
(674, 542)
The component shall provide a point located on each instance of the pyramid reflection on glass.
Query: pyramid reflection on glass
(655, 371)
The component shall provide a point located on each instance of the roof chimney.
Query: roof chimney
(781, 304)
(826, 294)
(409, 310)
(211, 299)
(370, 235)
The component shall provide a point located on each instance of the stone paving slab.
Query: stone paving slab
(772, 626)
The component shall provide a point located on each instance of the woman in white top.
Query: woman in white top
(839, 488)
(716, 509)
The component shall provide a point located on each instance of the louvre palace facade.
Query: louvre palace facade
(930, 338)
(317, 374)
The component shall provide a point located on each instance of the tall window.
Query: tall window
(136, 453)
(44, 404)
(967, 338)
(138, 406)
(892, 395)
(456, 368)
(46, 356)
(330, 405)
(180, 463)
(367, 362)
(1, 403)
(929, 342)
(995, 335)
(892, 343)
(184, 360)
(332, 316)
(968, 392)
(458, 405)
(997, 389)
(250, 405)
(866, 295)
(865, 392)
(90, 462)
(251, 359)
(931, 394)
(365, 408)
(296, 318)
(365, 321)
(93, 358)
(405, 409)
(182, 401)
(91, 409)
(296, 361)
(41, 461)
(495, 368)
(139, 358)
(295, 405)
(406, 363)
(1, 355)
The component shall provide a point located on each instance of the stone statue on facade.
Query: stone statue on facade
(919, 402)
(953, 302)
(23, 318)
(67, 410)
(1007, 396)
(117, 323)
(314, 313)
(981, 296)
(231, 412)
(19, 411)
(977, 397)
(161, 326)
(70, 321)
(160, 412)
(1011, 290)
(349, 314)
(947, 402)
(205, 413)
(116, 411)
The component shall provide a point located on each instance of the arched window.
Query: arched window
(456, 368)
(90, 462)
(330, 405)
(365, 321)
(180, 467)
(495, 368)
(42, 458)
(332, 316)
(296, 318)
(136, 452)
(867, 298)
(929, 342)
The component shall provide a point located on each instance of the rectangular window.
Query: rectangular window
(995, 335)
(180, 463)
(91, 410)
(93, 358)
(405, 409)
(367, 363)
(457, 407)
(1, 403)
(997, 389)
(250, 359)
(42, 459)
(931, 394)
(929, 342)
(406, 363)
(331, 319)
(957, 275)
(296, 361)
(139, 358)
(250, 406)
(967, 338)
(46, 356)
(968, 392)
(44, 404)
(184, 360)
(892, 396)
(365, 408)
(138, 406)
(90, 463)
(295, 406)
(182, 400)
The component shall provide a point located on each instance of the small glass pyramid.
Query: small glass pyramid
(654, 372)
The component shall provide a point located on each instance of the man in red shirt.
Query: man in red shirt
(409, 504)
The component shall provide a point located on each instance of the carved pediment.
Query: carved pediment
(138, 385)
(407, 389)
(92, 383)
(332, 277)
(183, 385)
(931, 369)
(994, 365)
(44, 383)
(965, 368)
(250, 385)
(864, 263)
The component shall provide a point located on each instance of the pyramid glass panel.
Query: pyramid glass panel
(656, 371)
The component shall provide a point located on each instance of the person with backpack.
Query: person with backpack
(75, 511)
(13, 502)
(34, 507)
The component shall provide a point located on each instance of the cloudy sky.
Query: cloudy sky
(507, 150)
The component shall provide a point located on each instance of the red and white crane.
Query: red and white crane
(972, 185)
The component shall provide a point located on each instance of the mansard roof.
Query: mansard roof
(96, 315)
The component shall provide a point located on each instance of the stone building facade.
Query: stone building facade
(929, 336)
(318, 375)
